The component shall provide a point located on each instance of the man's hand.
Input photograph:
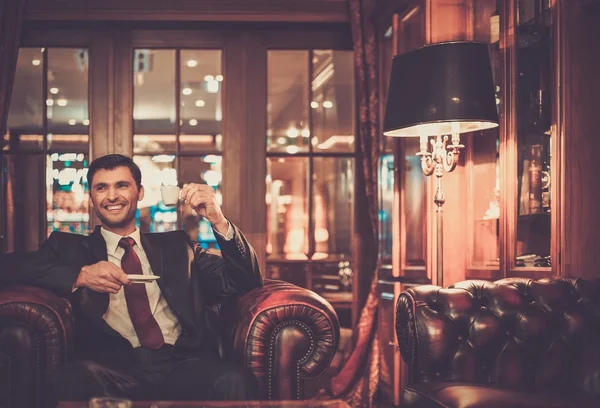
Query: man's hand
(102, 277)
(203, 200)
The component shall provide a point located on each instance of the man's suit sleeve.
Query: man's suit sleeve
(42, 268)
(235, 271)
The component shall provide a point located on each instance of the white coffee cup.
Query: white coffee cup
(170, 195)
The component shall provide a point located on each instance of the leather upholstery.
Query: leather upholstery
(282, 332)
(515, 334)
(286, 334)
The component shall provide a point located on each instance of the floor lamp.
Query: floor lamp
(440, 90)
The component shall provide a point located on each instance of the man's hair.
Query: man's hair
(111, 162)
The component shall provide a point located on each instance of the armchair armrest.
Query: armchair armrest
(35, 339)
(284, 334)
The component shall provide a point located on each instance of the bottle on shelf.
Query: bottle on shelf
(535, 182)
(546, 194)
(495, 27)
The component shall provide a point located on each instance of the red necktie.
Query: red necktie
(138, 304)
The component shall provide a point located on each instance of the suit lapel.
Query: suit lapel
(174, 282)
(94, 304)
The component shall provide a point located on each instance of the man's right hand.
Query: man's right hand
(102, 277)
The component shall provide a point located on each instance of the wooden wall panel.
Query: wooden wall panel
(185, 10)
(581, 87)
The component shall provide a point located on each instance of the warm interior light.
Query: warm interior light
(441, 128)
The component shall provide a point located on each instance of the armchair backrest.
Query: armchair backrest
(520, 333)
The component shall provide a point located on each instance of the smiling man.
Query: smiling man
(142, 340)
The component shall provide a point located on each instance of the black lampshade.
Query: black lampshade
(441, 89)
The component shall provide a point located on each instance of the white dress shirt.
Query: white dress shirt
(117, 314)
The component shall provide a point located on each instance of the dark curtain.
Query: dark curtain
(357, 381)
(11, 20)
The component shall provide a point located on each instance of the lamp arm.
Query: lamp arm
(451, 160)
(453, 153)
(427, 165)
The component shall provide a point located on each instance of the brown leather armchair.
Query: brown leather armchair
(512, 343)
(284, 333)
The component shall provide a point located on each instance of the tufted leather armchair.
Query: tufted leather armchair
(284, 333)
(512, 343)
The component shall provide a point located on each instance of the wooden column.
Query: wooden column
(244, 137)
(580, 63)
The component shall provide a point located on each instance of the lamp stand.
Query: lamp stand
(442, 159)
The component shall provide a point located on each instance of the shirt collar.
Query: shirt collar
(112, 239)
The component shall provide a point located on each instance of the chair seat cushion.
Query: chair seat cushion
(469, 395)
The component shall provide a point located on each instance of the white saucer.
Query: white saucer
(142, 278)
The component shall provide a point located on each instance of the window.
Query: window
(177, 117)
(310, 171)
(45, 147)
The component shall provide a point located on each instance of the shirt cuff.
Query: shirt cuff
(229, 235)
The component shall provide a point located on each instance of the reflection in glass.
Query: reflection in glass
(67, 100)
(201, 100)
(386, 206)
(333, 101)
(414, 204)
(154, 93)
(333, 197)
(534, 118)
(287, 101)
(67, 197)
(287, 208)
(24, 126)
(293, 272)
(387, 47)
(332, 277)
(158, 144)
(153, 215)
(201, 170)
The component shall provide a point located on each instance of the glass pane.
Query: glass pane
(287, 101)
(67, 100)
(154, 92)
(331, 278)
(24, 126)
(411, 35)
(201, 170)
(293, 272)
(485, 196)
(287, 208)
(414, 206)
(67, 201)
(24, 200)
(153, 215)
(333, 198)
(534, 117)
(201, 95)
(333, 100)
(154, 144)
(386, 206)
(484, 177)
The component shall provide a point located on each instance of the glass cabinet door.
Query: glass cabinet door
(532, 99)
(483, 157)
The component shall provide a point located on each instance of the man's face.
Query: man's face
(114, 195)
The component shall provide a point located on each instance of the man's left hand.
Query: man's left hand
(203, 200)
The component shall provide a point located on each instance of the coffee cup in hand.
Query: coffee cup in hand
(170, 195)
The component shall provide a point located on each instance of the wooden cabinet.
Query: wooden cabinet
(508, 209)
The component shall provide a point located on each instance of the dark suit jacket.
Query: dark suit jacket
(191, 279)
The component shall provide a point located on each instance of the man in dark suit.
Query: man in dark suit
(142, 340)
